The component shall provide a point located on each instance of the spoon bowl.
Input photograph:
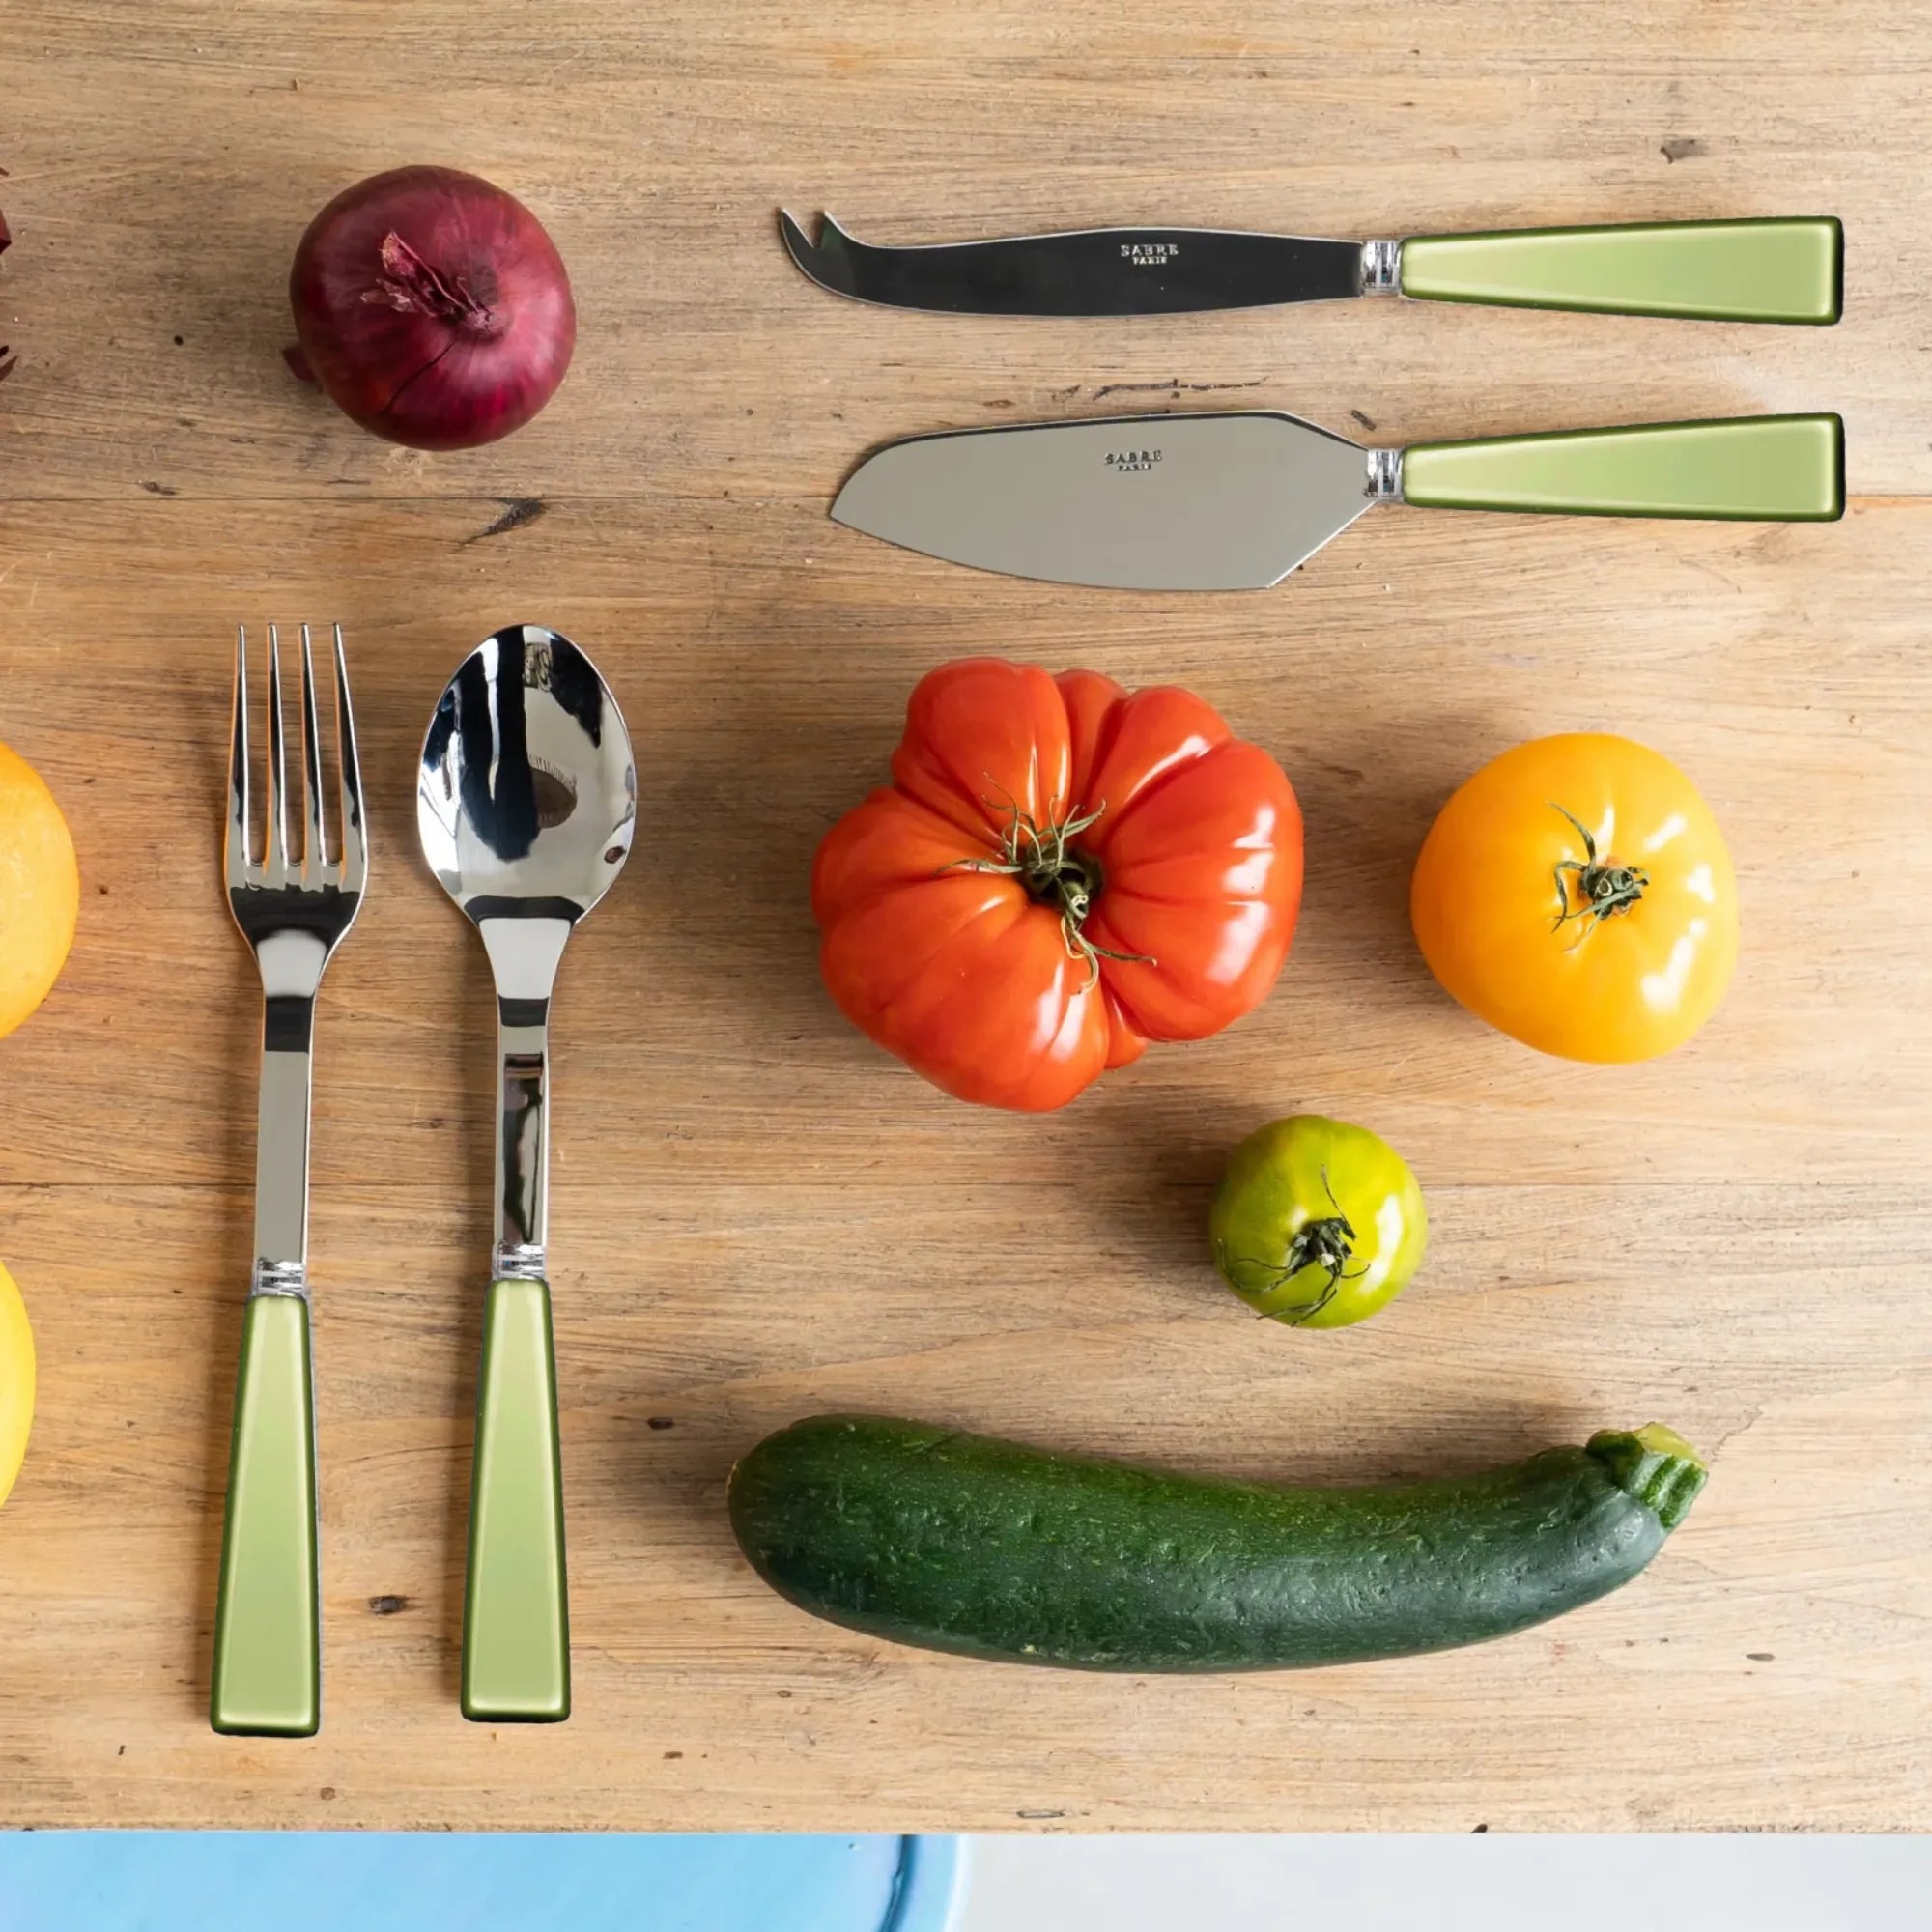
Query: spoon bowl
(527, 795)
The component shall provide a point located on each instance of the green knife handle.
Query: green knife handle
(516, 1616)
(267, 1679)
(1720, 270)
(1752, 469)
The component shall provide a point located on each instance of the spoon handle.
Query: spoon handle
(516, 1615)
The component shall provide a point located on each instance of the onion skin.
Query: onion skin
(431, 308)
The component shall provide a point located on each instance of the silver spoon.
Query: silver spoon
(525, 804)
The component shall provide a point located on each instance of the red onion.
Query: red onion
(431, 308)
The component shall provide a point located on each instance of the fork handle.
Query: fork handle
(515, 1615)
(267, 1677)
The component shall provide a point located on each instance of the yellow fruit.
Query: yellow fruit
(16, 1382)
(39, 892)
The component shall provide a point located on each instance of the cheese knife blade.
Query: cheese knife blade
(1788, 270)
(1084, 271)
(1234, 501)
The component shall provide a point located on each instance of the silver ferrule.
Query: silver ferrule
(1381, 267)
(1384, 476)
(279, 1278)
(516, 1261)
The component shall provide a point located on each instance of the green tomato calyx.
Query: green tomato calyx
(1056, 874)
(1601, 888)
(1326, 1244)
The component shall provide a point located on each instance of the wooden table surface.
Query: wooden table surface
(756, 1214)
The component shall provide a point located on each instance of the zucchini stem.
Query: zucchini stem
(1653, 1464)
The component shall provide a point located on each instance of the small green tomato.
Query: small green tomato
(1318, 1223)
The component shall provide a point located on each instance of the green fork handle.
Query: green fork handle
(267, 1679)
(1752, 469)
(515, 1615)
(1769, 271)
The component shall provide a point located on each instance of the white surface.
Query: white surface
(1476, 1883)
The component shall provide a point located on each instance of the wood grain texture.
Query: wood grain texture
(755, 1214)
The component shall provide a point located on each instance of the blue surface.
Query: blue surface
(398, 1882)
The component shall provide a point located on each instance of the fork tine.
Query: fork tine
(236, 865)
(315, 854)
(355, 843)
(277, 853)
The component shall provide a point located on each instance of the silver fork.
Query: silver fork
(293, 908)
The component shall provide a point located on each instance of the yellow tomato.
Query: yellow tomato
(40, 890)
(1576, 894)
(16, 1382)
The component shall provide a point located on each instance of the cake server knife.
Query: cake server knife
(1755, 271)
(1234, 501)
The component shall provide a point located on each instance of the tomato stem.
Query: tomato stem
(1327, 1244)
(1604, 887)
(1056, 875)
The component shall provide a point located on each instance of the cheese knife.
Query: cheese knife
(1788, 270)
(1234, 500)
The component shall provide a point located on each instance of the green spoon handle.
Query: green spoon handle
(1750, 469)
(515, 1615)
(1767, 271)
(267, 1678)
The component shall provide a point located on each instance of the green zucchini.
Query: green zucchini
(967, 1544)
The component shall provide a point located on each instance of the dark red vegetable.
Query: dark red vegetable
(431, 308)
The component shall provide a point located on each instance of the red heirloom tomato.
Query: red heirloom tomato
(1060, 871)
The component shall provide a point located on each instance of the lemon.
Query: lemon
(39, 897)
(16, 1382)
